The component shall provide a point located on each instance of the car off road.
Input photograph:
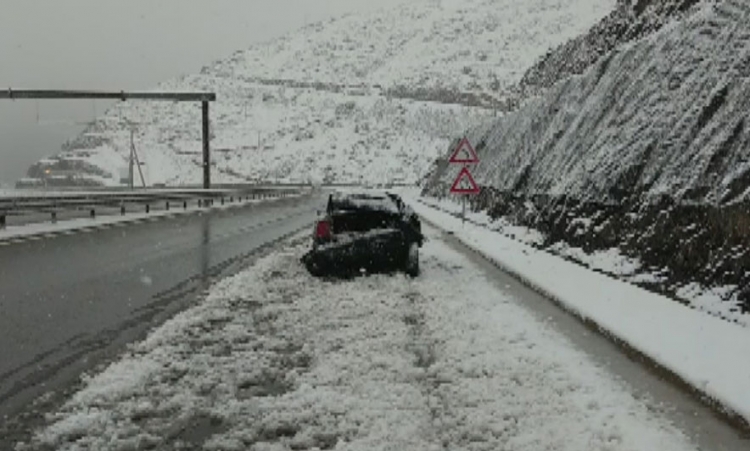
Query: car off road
(367, 232)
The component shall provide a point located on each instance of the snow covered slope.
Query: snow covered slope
(363, 98)
(663, 116)
(647, 151)
(631, 20)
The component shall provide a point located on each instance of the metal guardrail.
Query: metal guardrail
(50, 206)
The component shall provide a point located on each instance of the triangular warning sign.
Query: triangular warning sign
(464, 153)
(464, 183)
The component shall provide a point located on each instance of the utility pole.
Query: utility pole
(133, 153)
(463, 211)
(130, 161)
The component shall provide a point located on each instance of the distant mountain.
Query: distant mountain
(363, 98)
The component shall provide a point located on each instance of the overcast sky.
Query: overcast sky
(122, 44)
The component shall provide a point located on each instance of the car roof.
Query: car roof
(359, 192)
(363, 199)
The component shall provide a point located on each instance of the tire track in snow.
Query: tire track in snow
(424, 346)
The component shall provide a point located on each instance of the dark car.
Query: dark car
(368, 231)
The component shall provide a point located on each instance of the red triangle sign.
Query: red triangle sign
(464, 153)
(464, 183)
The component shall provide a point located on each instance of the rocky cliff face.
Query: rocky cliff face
(630, 21)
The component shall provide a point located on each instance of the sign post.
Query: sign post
(203, 97)
(463, 211)
(464, 154)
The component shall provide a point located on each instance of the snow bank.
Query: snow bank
(703, 350)
(275, 359)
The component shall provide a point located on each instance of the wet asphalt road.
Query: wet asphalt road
(68, 302)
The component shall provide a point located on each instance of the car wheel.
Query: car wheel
(411, 266)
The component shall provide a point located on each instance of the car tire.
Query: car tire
(411, 265)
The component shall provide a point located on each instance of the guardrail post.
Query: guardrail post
(184, 205)
(222, 200)
(199, 203)
(122, 210)
(148, 208)
(167, 206)
(93, 213)
(231, 199)
(2, 222)
(54, 217)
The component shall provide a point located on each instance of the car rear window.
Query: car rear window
(362, 202)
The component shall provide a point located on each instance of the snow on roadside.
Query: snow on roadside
(722, 302)
(703, 350)
(610, 261)
(521, 233)
(275, 359)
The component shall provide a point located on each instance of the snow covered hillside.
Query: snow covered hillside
(648, 151)
(364, 98)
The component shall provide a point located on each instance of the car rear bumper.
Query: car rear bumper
(381, 252)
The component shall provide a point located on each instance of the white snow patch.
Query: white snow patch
(610, 261)
(501, 225)
(719, 301)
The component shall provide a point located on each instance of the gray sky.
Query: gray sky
(122, 44)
